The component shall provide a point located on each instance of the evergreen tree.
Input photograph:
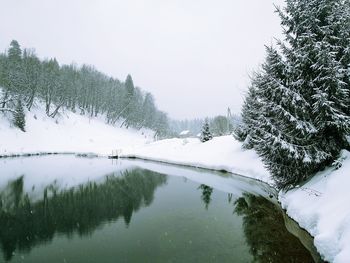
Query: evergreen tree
(206, 134)
(14, 52)
(129, 100)
(14, 71)
(129, 86)
(149, 109)
(296, 113)
(283, 134)
(250, 113)
(19, 116)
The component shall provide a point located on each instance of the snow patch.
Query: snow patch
(221, 153)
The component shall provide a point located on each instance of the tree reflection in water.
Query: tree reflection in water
(206, 194)
(25, 224)
(266, 233)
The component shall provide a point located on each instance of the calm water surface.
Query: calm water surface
(69, 209)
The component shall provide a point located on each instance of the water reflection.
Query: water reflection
(266, 234)
(66, 213)
(25, 223)
(206, 194)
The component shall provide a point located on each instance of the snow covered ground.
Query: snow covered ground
(321, 206)
(221, 153)
(69, 132)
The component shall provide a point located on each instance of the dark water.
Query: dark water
(67, 209)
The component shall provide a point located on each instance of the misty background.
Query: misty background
(194, 56)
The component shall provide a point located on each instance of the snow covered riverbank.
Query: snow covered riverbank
(69, 132)
(221, 153)
(321, 206)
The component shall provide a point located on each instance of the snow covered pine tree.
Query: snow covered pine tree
(302, 96)
(19, 116)
(206, 134)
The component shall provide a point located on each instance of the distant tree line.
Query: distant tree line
(219, 125)
(297, 111)
(24, 77)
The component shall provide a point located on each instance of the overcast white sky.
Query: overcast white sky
(195, 56)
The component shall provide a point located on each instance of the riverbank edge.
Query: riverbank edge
(34, 154)
(209, 168)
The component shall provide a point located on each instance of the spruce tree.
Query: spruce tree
(129, 101)
(19, 116)
(14, 52)
(246, 132)
(297, 112)
(15, 79)
(206, 134)
(284, 136)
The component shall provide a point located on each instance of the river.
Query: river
(71, 209)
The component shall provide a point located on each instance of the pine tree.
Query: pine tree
(129, 101)
(284, 136)
(296, 114)
(251, 110)
(19, 116)
(14, 52)
(15, 78)
(206, 134)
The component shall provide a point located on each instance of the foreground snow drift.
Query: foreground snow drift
(322, 207)
(70, 132)
(221, 153)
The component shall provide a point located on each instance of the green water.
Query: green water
(133, 214)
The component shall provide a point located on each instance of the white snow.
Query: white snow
(183, 133)
(221, 153)
(69, 132)
(322, 207)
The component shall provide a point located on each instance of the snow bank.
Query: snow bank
(221, 153)
(69, 132)
(322, 207)
(225, 182)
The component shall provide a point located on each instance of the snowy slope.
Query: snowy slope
(69, 132)
(221, 153)
(322, 207)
